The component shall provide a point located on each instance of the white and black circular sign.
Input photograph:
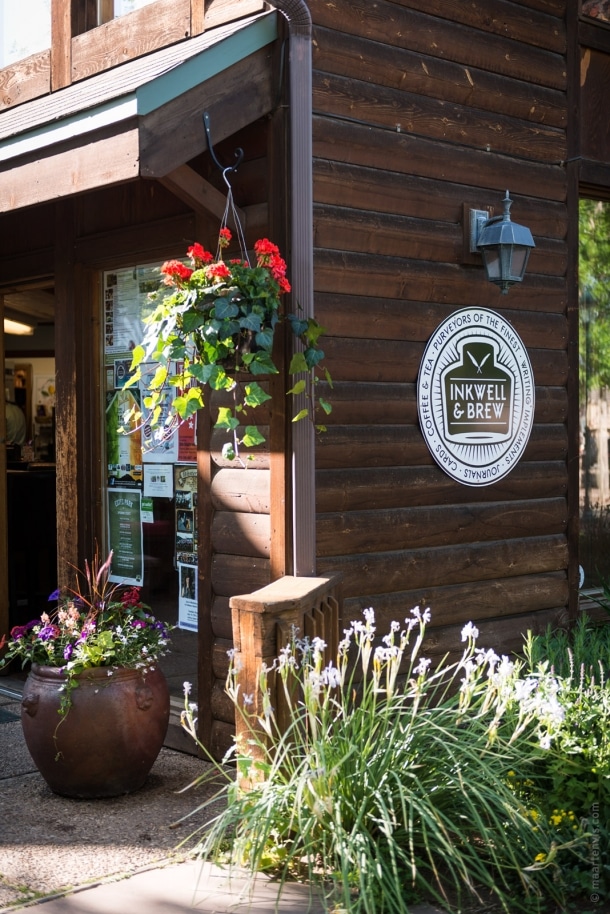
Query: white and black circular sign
(475, 396)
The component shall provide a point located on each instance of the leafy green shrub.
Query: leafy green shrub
(388, 789)
(573, 774)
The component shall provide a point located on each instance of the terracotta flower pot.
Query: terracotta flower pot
(108, 741)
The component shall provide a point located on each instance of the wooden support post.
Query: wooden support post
(263, 622)
(197, 17)
(63, 25)
(65, 386)
(4, 606)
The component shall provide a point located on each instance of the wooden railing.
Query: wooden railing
(264, 622)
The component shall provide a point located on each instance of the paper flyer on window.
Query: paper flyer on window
(185, 495)
(126, 536)
(126, 304)
(159, 480)
(187, 599)
(124, 451)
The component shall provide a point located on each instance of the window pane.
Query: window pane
(25, 28)
(594, 351)
(597, 9)
(150, 492)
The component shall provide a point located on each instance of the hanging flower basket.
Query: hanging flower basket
(217, 324)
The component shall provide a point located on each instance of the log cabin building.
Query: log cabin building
(369, 132)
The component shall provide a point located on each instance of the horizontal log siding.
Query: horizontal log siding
(422, 107)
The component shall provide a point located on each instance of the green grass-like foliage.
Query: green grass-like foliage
(393, 781)
(572, 784)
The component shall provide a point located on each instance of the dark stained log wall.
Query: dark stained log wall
(422, 107)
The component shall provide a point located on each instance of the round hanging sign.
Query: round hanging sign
(475, 396)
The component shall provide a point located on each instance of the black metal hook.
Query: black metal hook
(239, 153)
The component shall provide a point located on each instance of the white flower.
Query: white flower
(423, 617)
(331, 676)
(422, 666)
(248, 700)
(545, 741)
(488, 656)
(470, 631)
(187, 688)
(524, 688)
(384, 654)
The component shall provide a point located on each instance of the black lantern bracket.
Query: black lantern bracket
(504, 245)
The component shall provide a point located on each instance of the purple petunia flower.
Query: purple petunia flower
(48, 632)
(54, 596)
(68, 651)
(138, 623)
(19, 631)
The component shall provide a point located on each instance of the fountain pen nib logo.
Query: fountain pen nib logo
(478, 395)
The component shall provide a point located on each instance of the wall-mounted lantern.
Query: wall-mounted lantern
(504, 245)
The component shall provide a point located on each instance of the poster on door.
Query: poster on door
(187, 600)
(125, 536)
(185, 500)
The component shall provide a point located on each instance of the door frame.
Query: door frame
(4, 607)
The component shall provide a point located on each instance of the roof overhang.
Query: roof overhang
(143, 118)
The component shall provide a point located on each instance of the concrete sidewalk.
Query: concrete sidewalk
(127, 855)
(188, 888)
(184, 888)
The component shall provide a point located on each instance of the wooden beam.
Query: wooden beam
(218, 12)
(110, 160)
(133, 35)
(25, 79)
(106, 11)
(141, 242)
(196, 192)
(62, 30)
(197, 17)
(34, 303)
(174, 134)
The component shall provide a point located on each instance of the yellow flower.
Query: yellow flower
(540, 858)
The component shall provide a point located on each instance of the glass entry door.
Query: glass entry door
(150, 484)
(594, 391)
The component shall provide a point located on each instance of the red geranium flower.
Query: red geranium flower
(175, 272)
(199, 255)
(131, 597)
(218, 271)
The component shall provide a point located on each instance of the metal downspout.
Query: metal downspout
(298, 16)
